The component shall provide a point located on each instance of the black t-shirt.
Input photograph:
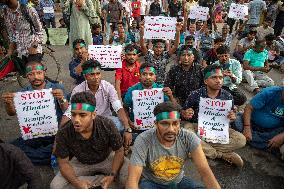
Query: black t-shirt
(174, 9)
(155, 9)
(96, 149)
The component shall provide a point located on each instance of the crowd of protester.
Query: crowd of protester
(209, 59)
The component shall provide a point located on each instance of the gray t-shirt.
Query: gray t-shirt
(161, 164)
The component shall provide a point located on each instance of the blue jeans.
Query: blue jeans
(185, 183)
(38, 150)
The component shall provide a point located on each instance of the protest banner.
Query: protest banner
(36, 113)
(48, 10)
(144, 102)
(199, 13)
(160, 27)
(213, 123)
(58, 36)
(109, 56)
(238, 11)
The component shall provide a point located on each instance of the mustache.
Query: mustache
(36, 80)
(170, 133)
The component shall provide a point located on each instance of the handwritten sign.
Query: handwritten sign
(109, 56)
(58, 36)
(48, 10)
(238, 11)
(36, 113)
(213, 124)
(199, 13)
(144, 102)
(160, 27)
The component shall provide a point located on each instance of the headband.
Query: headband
(212, 72)
(129, 50)
(168, 115)
(91, 70)
(152, 69)
(185, 51)
(83, 106)
(161, 43)
(81, 45)
(34, 67)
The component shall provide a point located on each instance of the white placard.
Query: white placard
(160, 27)
(238, 11)
(109, 56)
(36, 113)
(199, 13)
(144, 102)
(48, 10)
(213, 123)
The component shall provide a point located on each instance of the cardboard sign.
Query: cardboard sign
(144, 102)
(109, 56)
(48, 10)
(238, 11)
(58, 36)
(36, 113)
(160, 27)
(199, 13)
(213, 124)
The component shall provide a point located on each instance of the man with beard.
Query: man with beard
(88, 144)
(147, 81)
(128, 75)
(213, 79)
(80, 56)
(189, 43)
(38, 149)
(159, 154)
(106, 97)
(184, 77)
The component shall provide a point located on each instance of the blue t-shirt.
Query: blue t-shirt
(268, 108)
(128, 96)
(256, 59)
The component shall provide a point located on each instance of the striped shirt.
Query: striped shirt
(19, 29)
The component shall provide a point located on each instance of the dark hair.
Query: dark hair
(259, 43)
(145, 65)
(61, 19)
(224, 49)
(218, 40)
(179, 20)
(190, 37)
(31, 63)
(76, 41)
(84, 97)
(131, 47)
(120, 23)
(211, 68)
(183, 48)
(95, 26)
(91, 64)
(268, 19)
(155, 41)
(166, 107)
(270, 37)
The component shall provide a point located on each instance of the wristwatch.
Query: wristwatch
(129, 130)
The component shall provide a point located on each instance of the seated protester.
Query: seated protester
(264, 30)
(189, 43)
(38, 149)
(93, 144)
(159, 154)
(226, 36)
(147, 81)
(80, 56)
(244, 45)
(128, 75)
(274, 51)
(206, 40)
(134, 32)
(106, 97)
(255, 66)
(185, 77)
(16, 169)
(122, 39)
(97, 36)
(158, 57)
(191, 31)
(211, 55)
(262, 120)
(232, 71)
(155, 8)
(213, 79)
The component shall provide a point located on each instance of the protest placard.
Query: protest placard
(199, 13)
(144, 102)
(160, 27)
(48, 10)
(109, 56)
(36, 113)
(238, 11)
(58, 36)
(213, 123)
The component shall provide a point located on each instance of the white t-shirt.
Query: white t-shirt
(143, 7)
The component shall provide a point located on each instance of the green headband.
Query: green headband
(168, 115)
(128, 51)
(81, 45)
(83, 106)
(162, 44)
(91, 70)
(152, 69)
(185, 51)
(212, 72)
(34, 67)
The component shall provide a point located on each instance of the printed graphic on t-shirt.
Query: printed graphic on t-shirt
(279, 111)
(167, 167)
